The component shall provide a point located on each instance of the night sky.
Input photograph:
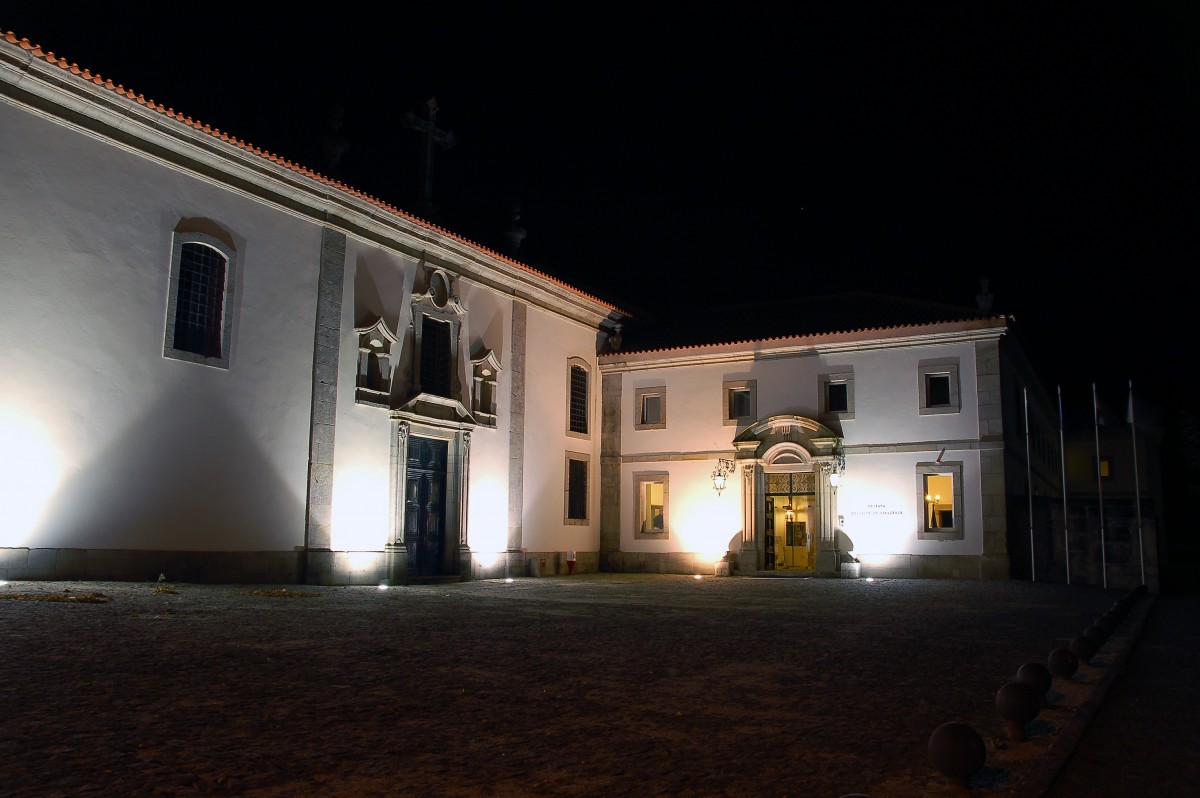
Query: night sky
(659, 160)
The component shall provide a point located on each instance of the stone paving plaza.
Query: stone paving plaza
(587, 685)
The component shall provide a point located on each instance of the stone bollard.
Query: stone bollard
(1097, 633)
(1084, 647)
(958, 753)
(1037, 676)
(1018, 703)
(1063, 662)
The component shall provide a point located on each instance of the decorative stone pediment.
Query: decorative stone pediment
(790, 438)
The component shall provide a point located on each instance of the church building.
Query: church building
(222, 366)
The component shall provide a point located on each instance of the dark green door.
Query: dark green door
(425, 510)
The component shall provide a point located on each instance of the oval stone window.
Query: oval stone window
(439, 290)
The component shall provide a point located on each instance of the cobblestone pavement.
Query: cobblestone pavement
(589, 685)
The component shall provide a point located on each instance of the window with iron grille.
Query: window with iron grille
(435, 357)
(578, 412)
(577, 489)
(198, 303)
(199, 310)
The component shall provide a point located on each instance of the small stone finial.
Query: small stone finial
(984, 297)
(515, 233)
(614, 340)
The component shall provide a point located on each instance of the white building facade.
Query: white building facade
(875, 452)
(221, 366)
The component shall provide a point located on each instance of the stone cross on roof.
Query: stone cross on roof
(433, 135)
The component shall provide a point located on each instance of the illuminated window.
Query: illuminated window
(939, 496)
(577, 398)
(199, 314)
(740, 401)
(651, 408)
(1103, 468)
(652, 504)
(576, 488)
(939, 387)
(837, 395)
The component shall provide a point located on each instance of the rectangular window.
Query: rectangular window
(199, 312)
(652, 503)
(576, 489)
(199, 301)
(577, 411)
(651, 408)
(741, 401)
(836, 396)
(435, 357)
(940, 499)
(1104, 469)
(939, 386)
(937, 389)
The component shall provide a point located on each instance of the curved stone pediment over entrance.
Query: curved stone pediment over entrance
(786, 439)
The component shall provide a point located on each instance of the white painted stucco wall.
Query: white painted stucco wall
(552, 342)
(127, 449)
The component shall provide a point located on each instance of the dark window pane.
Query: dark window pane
(435, 357)
(937, 390)
(577, 490)
(651, 409)
(838, 398)
(739, 403)
(199, 300)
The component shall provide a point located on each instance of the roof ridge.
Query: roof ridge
(37, 52)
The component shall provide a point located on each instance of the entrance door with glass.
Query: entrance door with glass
(790, 522)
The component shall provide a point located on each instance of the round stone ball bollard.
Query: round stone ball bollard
(1037, 676)
(1084, 647)
(1018, 703)
(1097, 633)
(1062, 662)
(957, 752)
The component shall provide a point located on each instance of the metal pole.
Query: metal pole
(1062, 453)
(1099, 487)
(1029, 489)
(1137, 488)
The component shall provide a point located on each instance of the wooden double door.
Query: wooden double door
(430, 552)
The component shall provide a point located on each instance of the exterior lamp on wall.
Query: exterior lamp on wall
(723, 469)
(835, 479)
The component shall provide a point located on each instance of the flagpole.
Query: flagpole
(1062, 454)
(1029, 488)
(1099, 487)
(1137, 489)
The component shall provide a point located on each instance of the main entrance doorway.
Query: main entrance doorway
(790, 522)
(425, 510)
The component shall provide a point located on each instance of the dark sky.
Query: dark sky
(664, 158)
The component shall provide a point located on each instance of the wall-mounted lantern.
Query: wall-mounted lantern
(723, 470)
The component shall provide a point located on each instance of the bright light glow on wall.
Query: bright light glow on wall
(360, 508)
(703, 521)
(879, 520)
(487, 524)
(30, 472)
